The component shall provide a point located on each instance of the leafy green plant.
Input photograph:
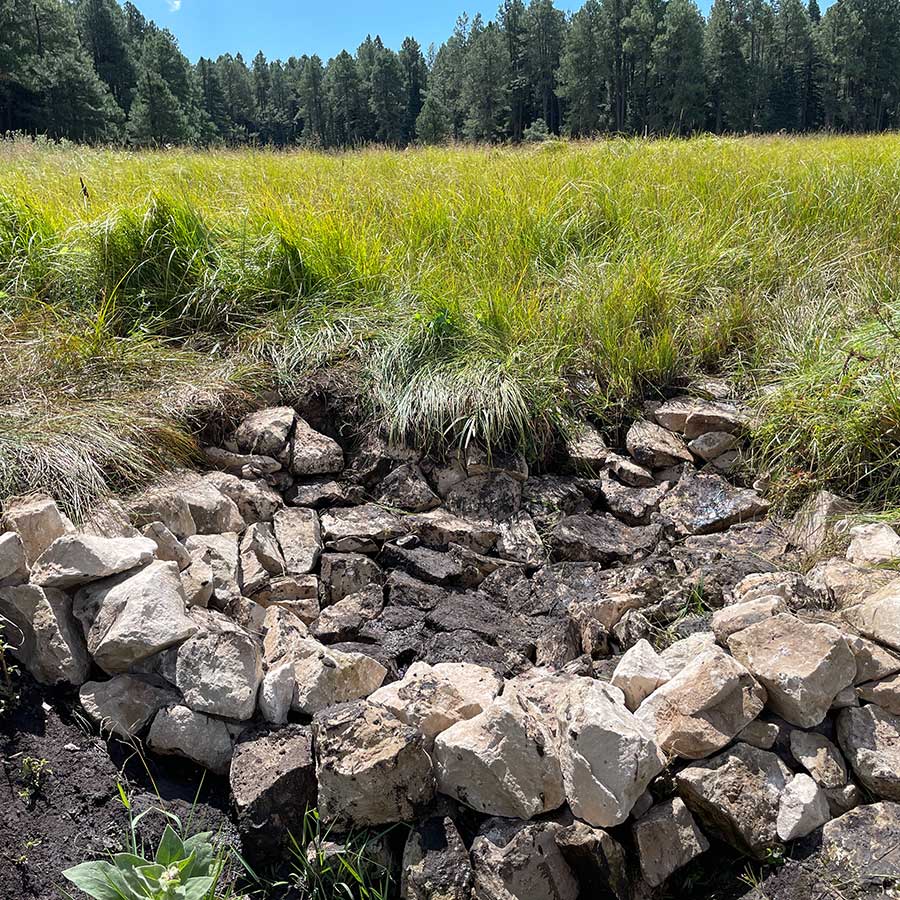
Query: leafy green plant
(34, 776)
(323, 869)
(181, 868)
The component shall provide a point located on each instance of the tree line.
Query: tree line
(92, 70)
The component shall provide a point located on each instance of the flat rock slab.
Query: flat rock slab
(603, 539)
(864, 842)
(655, 447)
(701, 504)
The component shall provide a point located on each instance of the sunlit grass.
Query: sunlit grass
(479, 293)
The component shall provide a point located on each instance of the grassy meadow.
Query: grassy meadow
(498, 295)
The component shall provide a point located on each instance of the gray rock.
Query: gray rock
(694, 416)
(518, 860)
(313, 453)
(13, 566)
(125, 704)
(885, 693)
(519, 541)
(299, 534)
(266, 432)
(601, 539)
(803, 809)
(221, 553)
(360, 529)
(439, 528)
(485, 462)
(667, 839)
(738, 616)
(347, 573)
(866, 843)
(629, 472)
(255, 500)
(549, 498)
(38, 522)
(655, 447)
(371, 768)
(276, 693)
(76, 559)
(485, 498)
(40, 629)
(168, 547)
(273, 782)
(164, 503)
(873, 544)
(131, 617)
(343, 620)
(639, 673)
(211, 510)
(634, 506)
(407, 488)
(818, 521)
(760, 734)
(318, 494)
(197, 581)
(240, 463)
(870, 739)
(436, 863)
(701, 504)
(878, 615)
(180, 731)
(588, 450)
(595, 858)
(712, 445)
(735, 795)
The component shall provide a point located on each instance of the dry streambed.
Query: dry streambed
(558, 681)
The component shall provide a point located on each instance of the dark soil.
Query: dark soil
(75, 813)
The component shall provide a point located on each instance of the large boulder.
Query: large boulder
(360, 529)
(37, 520)
(607, 756)
(436, 863)
(180, 731)
(701, 504)
(655, 447)
(299, 534)
(521, 861)
(802, 666)
(218, 670)
(738, 616)
(372, 769)
(600, 538)
(870, 739)
(667, 839)
(704, 706)
(273, 783)
(313, 453)
(125, 704)
(432, 698)
(878, 615)
(131, 617)
(266, 432)
(43, 633)
(736, 796)
(502, 762)
(76, 559)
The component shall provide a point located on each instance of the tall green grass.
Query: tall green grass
(488, 294)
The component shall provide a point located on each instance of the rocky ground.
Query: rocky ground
(618, 676)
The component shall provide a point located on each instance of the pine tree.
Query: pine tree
(641, 26)
(415, 83)
(544, 29)
(679, 89)
(726, 69)
(237, 86)
(103, 30)
(581, 82)
(347, 115)
(447, 79)
(512, 21)
(311, 100)
(387, 96)
(433, 121)
(212, 99)
(485, 92)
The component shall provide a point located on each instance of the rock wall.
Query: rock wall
(558, 680)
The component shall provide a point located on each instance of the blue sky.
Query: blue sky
(281, 28)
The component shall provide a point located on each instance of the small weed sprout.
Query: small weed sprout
(34, 777)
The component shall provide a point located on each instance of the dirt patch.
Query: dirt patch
(72, 812)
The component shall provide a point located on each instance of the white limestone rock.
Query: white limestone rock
(76, 559)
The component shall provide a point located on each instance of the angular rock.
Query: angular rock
(735, 795)
(360, 529)
(43, 634)
(432, 698)
(241, 464)
(818, 520)
(38, 522)
(436, 863)
(873, 544)
(845, 584)
(221, 553)
(276, 691)
(639, 673)
(803, 667)
(164, 503)
(428, 565)
(299, 534)
(702, 708)
(803, 809)
(735, 618)
(588, 450)
(343, 620)
(211, 510)
(183, 732)
(261, 558)
(407, 488)
(873, 662)
(629, 472)
(760, 734)
(265, 431)
(371, 768)
(273, 783)
(485, 498)
(313, 453)
(634, 506)
(347, 573)
(701, 504)
(255, 500)
(601, 539)
(131, 617)
(655, 447)
(501, 762)
(694, 416)
(76, 559)
(518, 860)
(318, 494)
(878, 615)
(284, 637)
(885, 693)
(326, 675)
(866, 842)
(548, 498)
(843, 799)
(667, 839)
(439, 528)
(819, 757)
(519, 541)
(219, 668)
(682, 652)
(870, 739)
(13, 566)
(712, 445)
(125, 704)
(595, 858)
(168, 547)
